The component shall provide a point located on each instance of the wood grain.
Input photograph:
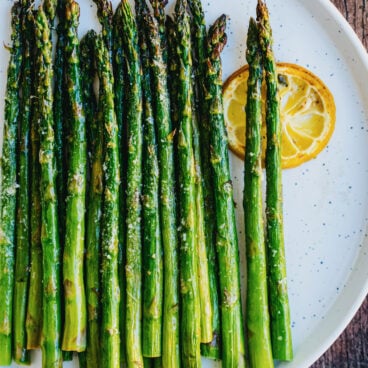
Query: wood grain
(351, 349)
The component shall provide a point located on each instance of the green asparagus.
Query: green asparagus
(199, 35)
(110, 291)
(60, 118)
(233, 353)
(34, 307)
(190, 301)
(8, 185)
(51, 327)
(257, 320)
(74, 338)
(152, 246)
(133, 267)
(22, 237)
(168, 208)
(276, 265)
(94, 203)
(119, 81)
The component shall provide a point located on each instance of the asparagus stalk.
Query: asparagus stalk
(133, 268)
(152, 247)
(74, 338)
(34, 307)
(59, 116)
(94, 203)
(164, 131)
(276, 265)
(22, 235)
(190, 314)
(51, 350)
(257, 321)
(8, 185)
(199, 35)
(109, 334)
(164, 104)
(233, 353)
(61, 131)
(119, 84)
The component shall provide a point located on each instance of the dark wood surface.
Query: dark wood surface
(351, 348)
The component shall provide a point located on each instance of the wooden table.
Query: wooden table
(351, 349)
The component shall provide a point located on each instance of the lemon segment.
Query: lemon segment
(307, 112)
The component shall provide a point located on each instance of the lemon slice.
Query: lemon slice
(307, 112)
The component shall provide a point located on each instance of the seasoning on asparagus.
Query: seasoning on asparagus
(8, 188)
(199, 36)
(257, 319)
(172, 75)
(50, 7)
(105, 16)
(94, 201)
(119, 85)
(51, 327)
(233, 352)
(22, 237)
(133, 268)
(160, 17)
(201, 151)
(152, 246)
(190, 323)
(74, 337)
(276, 265)
(34, 306)
(110, 291)
(165, 142)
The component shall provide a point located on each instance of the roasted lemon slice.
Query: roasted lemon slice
(307, 112)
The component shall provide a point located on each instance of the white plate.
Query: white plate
(326, 199)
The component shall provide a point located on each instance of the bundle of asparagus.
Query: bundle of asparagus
(118, 238)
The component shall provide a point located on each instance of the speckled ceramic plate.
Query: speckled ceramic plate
(326, 199)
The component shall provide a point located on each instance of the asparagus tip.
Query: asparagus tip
(217, 36)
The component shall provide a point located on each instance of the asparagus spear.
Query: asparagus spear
(152, 247)
(8, 185)
(164, 131)
(61, 131)
(190, 314)
(22, 235)
(276, 266)
(109, 334)
(34, 307)
(119, 81)
(233, 353)
(199, 35)
(74, 338)
(51, 350)
(133, 268)
(94, 203)
(257, 321)
(59, 116)
(168, 208)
